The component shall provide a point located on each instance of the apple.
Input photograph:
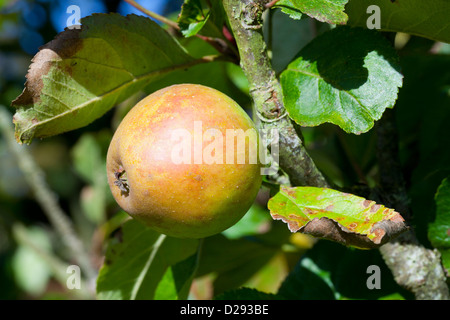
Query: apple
(184, 161)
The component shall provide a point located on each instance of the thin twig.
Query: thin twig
(47, 199)
(271, 4)
(56, 265)
(222, 46)
(154, 15)
(351, 159)
(413, 266)
(246, 23)
(245, 20)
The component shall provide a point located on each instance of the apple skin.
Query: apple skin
(186, 200)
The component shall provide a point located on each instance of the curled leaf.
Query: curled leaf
(337, 216)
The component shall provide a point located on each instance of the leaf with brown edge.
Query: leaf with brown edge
(337, 216)
(83, 73)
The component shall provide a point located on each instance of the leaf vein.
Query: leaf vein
(114, 90)
(147, 265)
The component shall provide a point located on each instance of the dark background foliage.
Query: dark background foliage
(327, 270)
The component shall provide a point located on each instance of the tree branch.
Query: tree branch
(220, 45)
(414, 267)
(154, 15)
(265, 90)
(57, 266)
(35, 178)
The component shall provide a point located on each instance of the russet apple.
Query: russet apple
(184, 161)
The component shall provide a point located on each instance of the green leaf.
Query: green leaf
(147, 265)
(196, 74)
(87, 158)
(322, 10)
(439, 230)
(253, 222)
(286, 37)
(197, 18)
(347, 76)
(83, 73)
(89, 162)
(338, 216)
(424, 132)
(176, 282)
(344, 280)
(308, 281)
(289, 8)
(244, 257)
(93, 202)
(31, 270)
(192, 18)
(429, 19)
